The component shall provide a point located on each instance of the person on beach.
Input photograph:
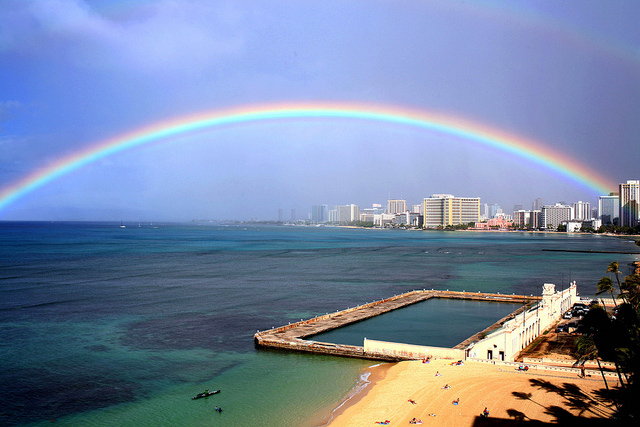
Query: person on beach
(446, 387)
(437, 374)
(413, 402)
(455, 402)
(485, 413)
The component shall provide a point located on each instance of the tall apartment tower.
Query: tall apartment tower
(554, 215)
(445, 209)
(629, 199)
(609, 209)
(319, 214)
(396, 206)
(537, 204)
(348, 213)
(581, 211)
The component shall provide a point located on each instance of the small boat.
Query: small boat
(205, 393)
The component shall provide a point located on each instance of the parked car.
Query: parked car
(567, 315)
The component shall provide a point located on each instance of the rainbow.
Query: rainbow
(529, 150)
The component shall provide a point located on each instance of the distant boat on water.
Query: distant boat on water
(122, 225)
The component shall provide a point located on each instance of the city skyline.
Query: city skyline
(161, 110)
(447, 209)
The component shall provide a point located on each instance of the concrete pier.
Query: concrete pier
(292, 336)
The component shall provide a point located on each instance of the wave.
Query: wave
(360, 386)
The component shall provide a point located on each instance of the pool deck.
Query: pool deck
(293, 336)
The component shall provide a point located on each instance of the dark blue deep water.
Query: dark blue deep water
(102, 325)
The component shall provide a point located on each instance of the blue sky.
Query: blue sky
(74, 73)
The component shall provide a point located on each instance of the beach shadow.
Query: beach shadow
(516, 415)
(561, 415)
(525, 396)
(522, 421)
(576, 398)
(480, 421)
(546, 385)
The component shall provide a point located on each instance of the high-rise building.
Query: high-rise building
(494, 209)
(609, 209)
(522, 218)
(319, 214)
(554, 215)
(396, 206)
(348, 213)
(445, 209)
(355, 212)
(537, 204)
(344, 214)
(526, 219)
(333, 216)
(629, 199)
(581, 210)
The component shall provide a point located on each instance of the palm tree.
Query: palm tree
(614, 268)
(586, 350)
(606, 285)
(631, 290)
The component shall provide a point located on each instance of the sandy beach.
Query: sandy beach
(408, 390)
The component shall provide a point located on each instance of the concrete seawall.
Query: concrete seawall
(292, 336)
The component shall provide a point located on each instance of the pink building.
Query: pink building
(498, 223)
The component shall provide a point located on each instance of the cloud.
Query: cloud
(168, 35)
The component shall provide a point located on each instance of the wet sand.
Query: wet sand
(508, 394)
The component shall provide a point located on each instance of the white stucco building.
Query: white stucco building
(514, 335)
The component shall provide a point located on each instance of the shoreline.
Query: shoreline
(410, 389)
(377, 373)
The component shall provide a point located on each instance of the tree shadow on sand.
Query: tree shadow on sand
(575, 401)
(516, 415)
(598, 405)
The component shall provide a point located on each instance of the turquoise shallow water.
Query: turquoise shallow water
(107, 326)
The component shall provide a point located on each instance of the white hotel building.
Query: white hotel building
(629, 199)
(445, 209)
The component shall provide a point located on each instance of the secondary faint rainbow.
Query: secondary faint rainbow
(535, 152)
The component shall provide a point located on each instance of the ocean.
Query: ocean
(102, 325)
